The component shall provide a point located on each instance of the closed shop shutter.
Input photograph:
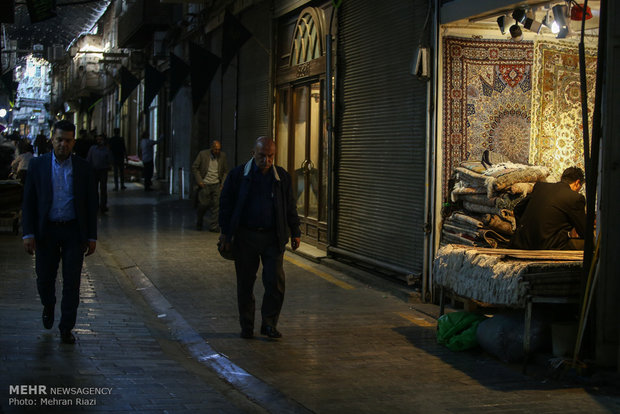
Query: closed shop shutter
(254, 84)
(380, 142)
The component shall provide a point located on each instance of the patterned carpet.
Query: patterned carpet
(556, 135)
(486, 100)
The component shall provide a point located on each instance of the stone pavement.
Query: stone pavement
(158, 326)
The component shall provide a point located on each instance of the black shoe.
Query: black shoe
(214, 229)
(123, 187)
(67, 337)
(199, 227)
(115, 189)
(48, 317)
(247, 333)
(270, 331)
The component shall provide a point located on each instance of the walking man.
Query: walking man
(147, 156)
(209, 169)
(257, 216)
(100, 158)
(119, 155)
(60, 222)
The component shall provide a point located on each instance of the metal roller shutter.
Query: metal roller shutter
(254, 113)
(380, 147)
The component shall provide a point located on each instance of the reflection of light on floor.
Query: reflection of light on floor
(320, 274)
(417, 321)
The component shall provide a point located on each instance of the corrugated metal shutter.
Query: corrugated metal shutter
(380, 146)
(254, 113)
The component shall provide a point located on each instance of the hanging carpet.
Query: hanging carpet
(556, 134)
(486, 100)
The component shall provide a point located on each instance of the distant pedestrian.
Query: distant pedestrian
(83, 143)
(41, 144)
(209, 169)
(20, 164)
(100, 158)
(59, 219)
(258, 214)
(119, 154)
(147, 156)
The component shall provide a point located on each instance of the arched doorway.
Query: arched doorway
(300, 129)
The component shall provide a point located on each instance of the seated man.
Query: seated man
(553, 215)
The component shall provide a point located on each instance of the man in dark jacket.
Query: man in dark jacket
(119, 154)
(257, 214)
(553, 216)
(60, 221)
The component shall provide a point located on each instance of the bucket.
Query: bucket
(563, 338)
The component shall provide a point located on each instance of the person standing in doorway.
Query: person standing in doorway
(258, 214)
(100, 158)
(147, 155)
(209, 169)
(59, 219)
(119, 155)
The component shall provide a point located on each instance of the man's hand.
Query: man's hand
(29, 245)
(90, 247)
(295, 242)
(226, 246)
(201, 184)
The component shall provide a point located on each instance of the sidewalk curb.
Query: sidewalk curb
(252, 387)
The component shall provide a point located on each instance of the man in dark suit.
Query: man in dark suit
(258, 214)
(59, 218)
(553, 216)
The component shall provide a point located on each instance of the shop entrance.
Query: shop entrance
(300, 129)
(301, 145)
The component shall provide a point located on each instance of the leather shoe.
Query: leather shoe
(247, 333)
(48, 317)
(67, 337)
(270, 331)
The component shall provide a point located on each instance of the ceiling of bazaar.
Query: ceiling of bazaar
(72, 19)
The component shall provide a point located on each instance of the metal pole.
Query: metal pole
(181, 183)
(330, 144)
(171, 178)
(328, 100)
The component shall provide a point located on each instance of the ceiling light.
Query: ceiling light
(548, 20)
(515, 33)
(519, 15)
(501, 22)
(560, 13)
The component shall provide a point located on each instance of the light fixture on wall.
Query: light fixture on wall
(531, 24)
(515, 33)
(519, 15)
(501, 22)
(560, 15)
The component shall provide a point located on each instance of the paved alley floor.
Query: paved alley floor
(158, 333)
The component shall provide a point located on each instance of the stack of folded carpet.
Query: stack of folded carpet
(488, 196)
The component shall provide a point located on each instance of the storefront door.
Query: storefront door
(300, 138)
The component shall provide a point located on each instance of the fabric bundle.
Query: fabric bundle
(487, 195)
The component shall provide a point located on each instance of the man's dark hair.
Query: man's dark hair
(572, 174)
(64, 125)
